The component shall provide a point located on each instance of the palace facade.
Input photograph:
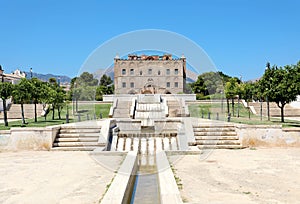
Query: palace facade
(150, 74)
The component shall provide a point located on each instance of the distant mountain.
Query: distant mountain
(46, 77)
(109, 72)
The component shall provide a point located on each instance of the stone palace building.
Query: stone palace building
(150, 74)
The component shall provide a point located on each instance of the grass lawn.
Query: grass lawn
(197, 110)
(84, 109)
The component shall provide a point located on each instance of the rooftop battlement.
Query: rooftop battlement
(150, 57)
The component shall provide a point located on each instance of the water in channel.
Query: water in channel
(146, 186)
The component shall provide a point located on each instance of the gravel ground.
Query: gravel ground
(241, 176)
(53, 177)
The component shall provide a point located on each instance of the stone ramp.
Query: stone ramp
(14, 111)
(176, 108)
(216, 136)
(78, 138)
(289, 111)
(122, 110)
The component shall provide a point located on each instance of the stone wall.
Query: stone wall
(269, 136)
(129, 97)
(29, 138)
(155, 76)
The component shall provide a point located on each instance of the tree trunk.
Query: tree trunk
(22, 113)
(5, 112)
(282, 113)
(59, 110)
(260, 109)
(248, 109)
(268, 109)
(35, 114)
(227, 106)
(53, 113)
(232, 103)
(238, 108)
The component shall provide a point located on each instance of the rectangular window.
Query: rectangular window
(124, 84)
(176, 71)
(168, 72)
(123, 71)
(131, 71)
(149, 71)
(168, 84)
(176, 84)
(131, 84)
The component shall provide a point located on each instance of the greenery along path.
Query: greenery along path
(87, 109)
(196, 110)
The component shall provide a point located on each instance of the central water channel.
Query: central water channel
(146, 186)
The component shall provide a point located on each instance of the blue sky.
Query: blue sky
(240, 36)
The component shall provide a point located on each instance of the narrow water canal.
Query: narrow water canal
(146, 187)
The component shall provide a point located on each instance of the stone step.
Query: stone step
(77, 139)
(68, 135)
(82, 126)
(214, 129)
(215, 133)
(217, 142)
(85, 148)
(220, 146)
(80, 130)
(222, 126)
(216, 138)
(74, 144)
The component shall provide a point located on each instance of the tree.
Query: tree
(105, 87)
(6, 89)
(35, 94)
(231, 92)
(199, 86)
(86, 79)
(21, 94)
(105, 80)
(52, 80)
(57, 96)
(45, 97)
(248, 93)
(283, 83)
(265, 86)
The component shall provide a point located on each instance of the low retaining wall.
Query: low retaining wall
(266, 135)
(169, 192)
(121, 188)
(129, 97)
(32, 138)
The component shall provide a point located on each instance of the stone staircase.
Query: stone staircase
(78, 138)
(122, 110)
(149, 108)
(216, 136)
(14, 111)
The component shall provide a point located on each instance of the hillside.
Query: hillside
(46, 77)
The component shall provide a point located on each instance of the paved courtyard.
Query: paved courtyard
(241, 176)
(53, 177)
(261, 175)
